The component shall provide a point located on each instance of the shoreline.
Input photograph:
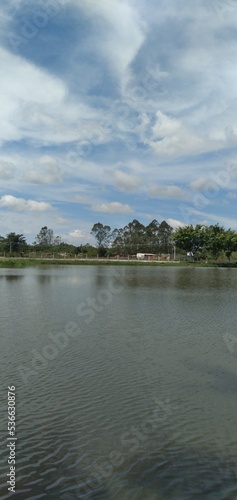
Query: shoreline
(21, 262)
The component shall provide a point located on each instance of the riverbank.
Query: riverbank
(28, 262)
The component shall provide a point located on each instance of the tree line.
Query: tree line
(134, 238)
(199, 242)
(15, 243)
(204, 242)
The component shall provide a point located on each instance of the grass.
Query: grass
(29, 262)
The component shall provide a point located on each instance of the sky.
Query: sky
(114, 110)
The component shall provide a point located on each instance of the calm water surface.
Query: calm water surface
(125, 385)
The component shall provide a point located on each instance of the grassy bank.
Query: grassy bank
(28, 262)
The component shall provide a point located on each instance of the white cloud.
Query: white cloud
(153, 216)
(77, 234)
(81, 198)
(175, 223)
(199, 184)
(214, 182)
(7, 170)
(47, 161)
(121, 38)
(50, 174)
(23, 83)
(126, 182)
(35, 104)
(62, 221)
(20, 204)
(173, 192)
(121, 92)
(172, 138)
(112, 208)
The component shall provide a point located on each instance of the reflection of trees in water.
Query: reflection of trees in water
(13, 277)
(154, 278)
(47, 278)
(101, 277)
(199, 279)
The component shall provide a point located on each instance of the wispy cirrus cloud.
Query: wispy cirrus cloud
(7, 170)
(163, 191)
(127, 101)
(198, 184)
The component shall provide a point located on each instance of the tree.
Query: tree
(2, 243)
(102, 235)
(152, 234)
(117, 240)
(134, 236)
(216, 239)
(230, 243)
(87, 249)
(15, 243)
(152, 229)
(45, 236)
(165, 233)
(191, 239)
(57, 241)
(221, 240)
(204, 240)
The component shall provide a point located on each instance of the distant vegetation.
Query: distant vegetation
(134, 238)
(197, 243)
(206, 242)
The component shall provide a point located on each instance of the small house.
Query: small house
(147, 256)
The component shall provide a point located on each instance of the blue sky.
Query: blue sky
(113, 110)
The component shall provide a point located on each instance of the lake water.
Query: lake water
(125, 382)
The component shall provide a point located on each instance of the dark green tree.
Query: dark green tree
(230, 243)
(165, 236)
(118, 241)
(2, 244)
(152, 236)
(102, 235)
(191, 239)
(206, 241)
(15, 243)
(134, 236)
(215, 240)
